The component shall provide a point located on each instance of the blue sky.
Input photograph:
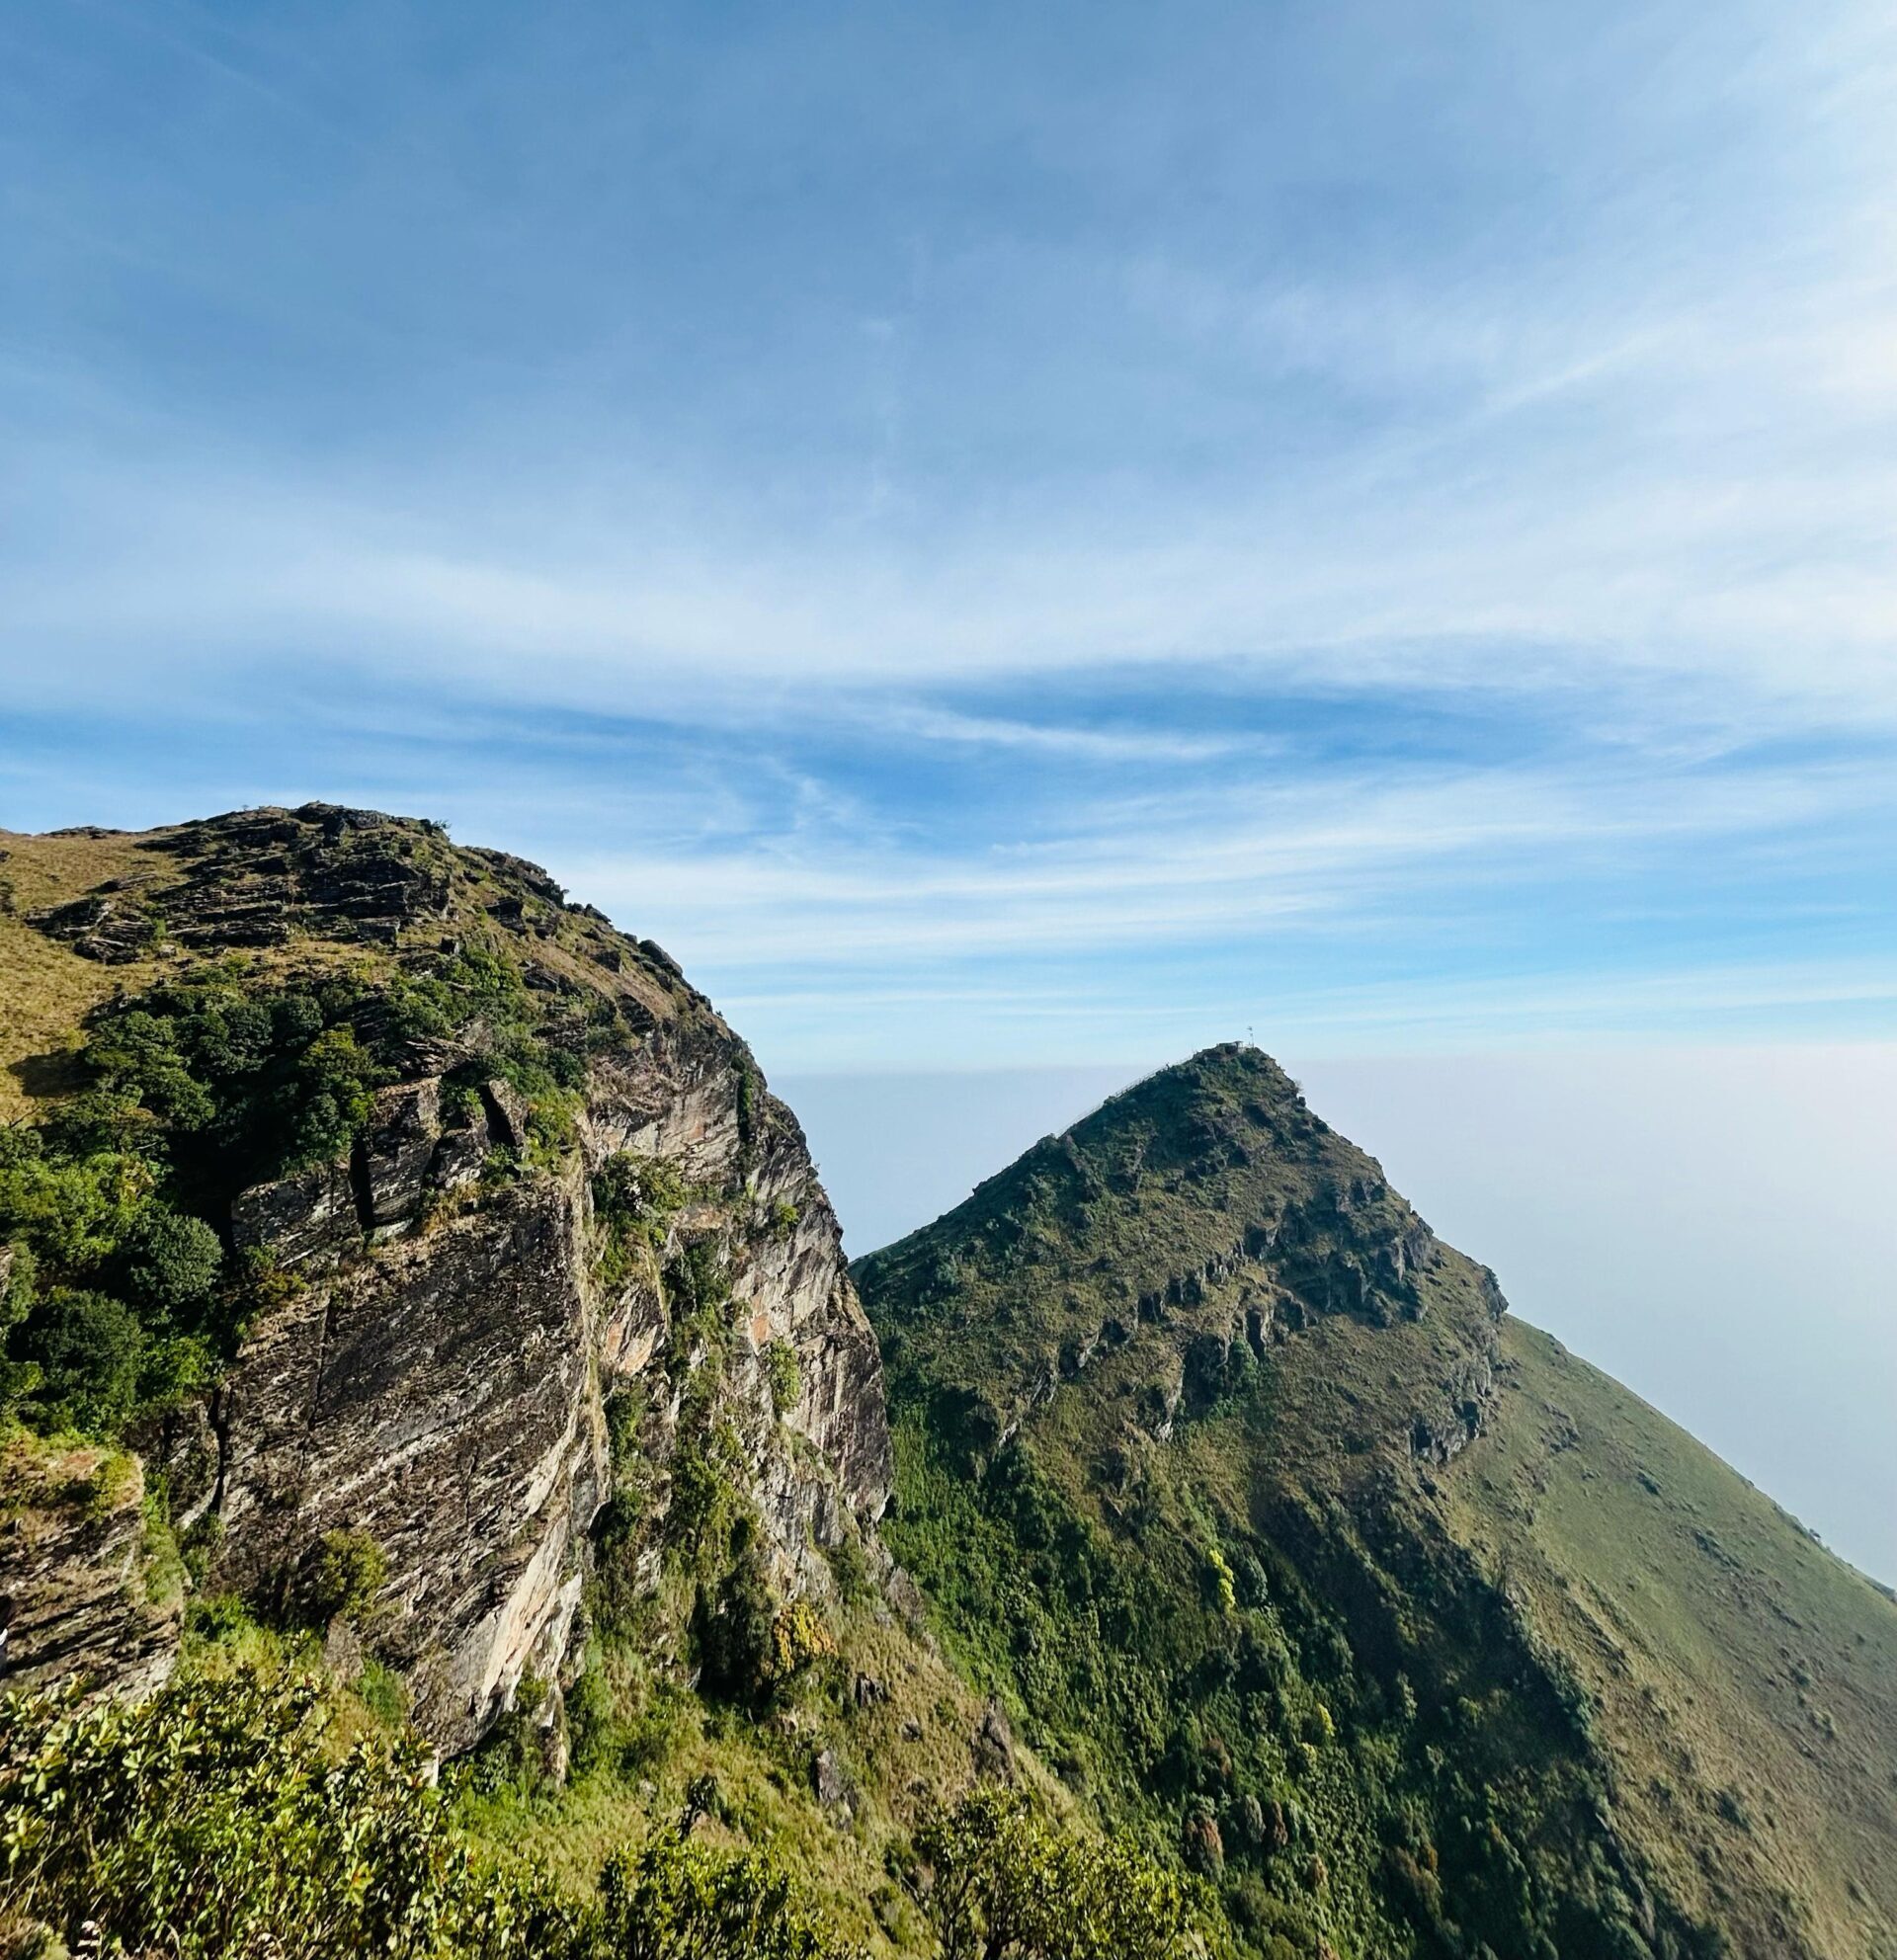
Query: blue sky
(998, 534)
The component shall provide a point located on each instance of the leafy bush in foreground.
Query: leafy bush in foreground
(676, 1900)
(221, 1817)
(217, 1818)
(1008, 1885)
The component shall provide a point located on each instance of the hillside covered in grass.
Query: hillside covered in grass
(1289, 1549)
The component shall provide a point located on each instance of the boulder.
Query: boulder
(994, 1746)
(833, 1788)
(459, 1158)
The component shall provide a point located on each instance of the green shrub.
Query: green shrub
(228, 1076)
(635, 1199)
(626, 1409)
(88, 1349)
(194, 1089)
(785, 1377)
(111, 1483)
(513, 1754)
(674, 1898)
(218, 1616)
(220, 1816)
(657, 1730)
(1007, 1886)
(851, 1570)
(243, 1077)
(592, 1718)
(733, 1624)
(345, 1575)
(697, 1281)
(175, 1368)
(74, 1212)
(383, 1693)
(217, 1818)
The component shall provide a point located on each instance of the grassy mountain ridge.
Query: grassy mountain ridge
(1239, 1489)
(1203, 1214)
(1744, 1680)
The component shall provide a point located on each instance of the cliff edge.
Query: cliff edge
(492, 1185)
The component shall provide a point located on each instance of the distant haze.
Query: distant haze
(1713, 1227)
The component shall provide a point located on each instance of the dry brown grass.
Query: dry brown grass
(46, 988)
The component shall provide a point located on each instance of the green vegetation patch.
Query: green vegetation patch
(1155, 1389)
(118, 1295)
(231, 1814)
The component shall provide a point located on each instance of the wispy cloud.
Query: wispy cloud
(941, 530)
(924, 723)
(1208, 866)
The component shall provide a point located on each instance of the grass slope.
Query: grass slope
(48, 987)
(1203, 1470)
(1745, 1679)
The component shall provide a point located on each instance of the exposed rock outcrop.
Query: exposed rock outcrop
(260, 878)
(80, 1596)
(443, 1390)
(111, 928)
(443, 1319)
(1353, 1248)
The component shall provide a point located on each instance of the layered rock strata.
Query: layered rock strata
(438, 1381)
(444, 1334)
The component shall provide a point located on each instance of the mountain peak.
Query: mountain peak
(1201, 1215)
(1187, 1106)
(1239, 1485)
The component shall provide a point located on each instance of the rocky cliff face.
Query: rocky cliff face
(81, 1592)
(444, 1391)
(448, 1315)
